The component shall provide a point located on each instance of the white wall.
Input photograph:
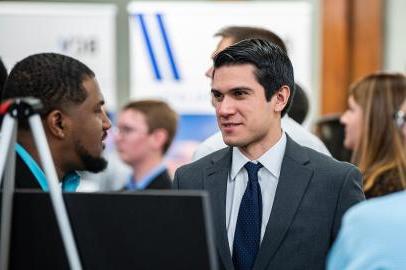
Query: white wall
(395, 36)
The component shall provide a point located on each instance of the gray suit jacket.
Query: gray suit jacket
(312, 195)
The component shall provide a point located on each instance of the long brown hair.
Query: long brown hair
(382, 148)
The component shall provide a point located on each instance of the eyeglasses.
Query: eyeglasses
(400, 118)
(126, 131)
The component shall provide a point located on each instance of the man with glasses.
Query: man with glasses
(372, 235)
(145, 131)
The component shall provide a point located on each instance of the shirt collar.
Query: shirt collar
(271, 159)
(70, 181)
(146, 180)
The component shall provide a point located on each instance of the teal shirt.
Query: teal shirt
(70, 181)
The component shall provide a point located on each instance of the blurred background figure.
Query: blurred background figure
(372, 235)
(145, 130)
(377, 144)
(300, 105)
(331, 132)
(233, 34)
(3, 77)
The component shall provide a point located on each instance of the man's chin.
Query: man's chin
(94, 164)
(231, 141)
(90, 162)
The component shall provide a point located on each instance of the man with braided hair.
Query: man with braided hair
(73, 117)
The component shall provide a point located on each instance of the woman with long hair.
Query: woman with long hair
(380, 244)
(372, 134)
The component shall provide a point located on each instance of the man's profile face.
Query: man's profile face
(223, 43)
(89, 128)
(352, 120)
(244, 115)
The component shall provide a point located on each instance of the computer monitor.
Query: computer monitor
(140, 230)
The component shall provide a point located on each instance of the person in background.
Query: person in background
(73, 117)
(332, 133)
(276, 204)
(377, 144)
(300, 105)
(3, 77)
(145, 131)
(233, 34)
(372, 235)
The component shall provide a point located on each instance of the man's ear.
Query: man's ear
(56, 123)
(282, 97)
(160, 137)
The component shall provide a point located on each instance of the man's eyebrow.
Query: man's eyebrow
(239, 88)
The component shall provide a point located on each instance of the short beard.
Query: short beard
(90, 163)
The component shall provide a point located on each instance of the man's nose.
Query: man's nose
(343, 118)
(106, 122)
(209, 73)
(225, 107)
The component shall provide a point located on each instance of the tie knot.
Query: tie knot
(252, 168)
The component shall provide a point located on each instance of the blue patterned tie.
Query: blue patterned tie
(247, 235)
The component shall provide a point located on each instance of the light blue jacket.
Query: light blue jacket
(373, 236)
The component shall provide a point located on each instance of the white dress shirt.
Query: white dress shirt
(297, 132)
(268, 177)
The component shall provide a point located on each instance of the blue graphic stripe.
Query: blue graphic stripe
(150, 50)
(168, 48)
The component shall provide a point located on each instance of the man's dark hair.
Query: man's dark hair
(300, 105)
(53, 78)
(239, 33)
(3, 76)
(273, 67)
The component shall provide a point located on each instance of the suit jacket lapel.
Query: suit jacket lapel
(293, 180)
(216, 184)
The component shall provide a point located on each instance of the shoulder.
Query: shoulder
(161, 181)
(302, 136)
(316, 160)
(24, 178)
(372, 235)
(192, 174)
(206, 160)
(376, 221)
(328, 174)
(379, 210)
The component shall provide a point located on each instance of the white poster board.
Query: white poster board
(83, 31)
(171, 44)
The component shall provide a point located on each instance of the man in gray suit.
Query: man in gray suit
(276, 204)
